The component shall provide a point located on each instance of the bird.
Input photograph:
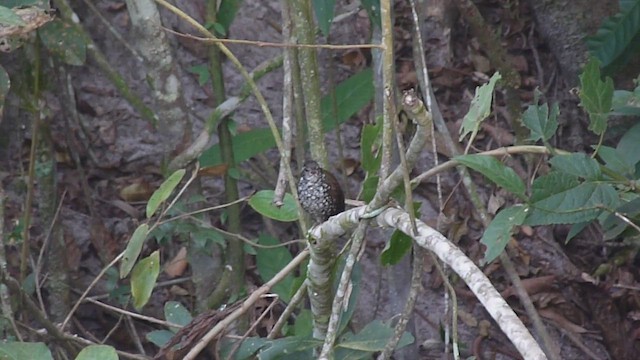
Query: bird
(319, 192)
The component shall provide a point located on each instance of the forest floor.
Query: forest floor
(588, 318)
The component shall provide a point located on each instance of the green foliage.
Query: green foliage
(133, 249)
(15, 350)
(102, 352)
(175, 313)
(480, 108)
(163, 192)
(350, 346)
(498, 233)
(227, 13)
(497, 172)
(324, 10)
(351, 95)
(627, 102)
(596, 96)
(542, 123)
(396, 248)
(143, 279)
(262, 202)
(579, 188)
(64, 41)
(9, 18)
(373, 10)
(618, 38)
(270, 261)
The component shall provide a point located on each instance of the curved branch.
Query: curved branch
(450, 254)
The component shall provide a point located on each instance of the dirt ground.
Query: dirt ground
(588, 319)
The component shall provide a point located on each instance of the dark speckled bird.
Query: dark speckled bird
(320, 193)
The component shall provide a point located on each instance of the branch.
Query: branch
(451, 255)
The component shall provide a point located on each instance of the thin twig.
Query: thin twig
(277, 45)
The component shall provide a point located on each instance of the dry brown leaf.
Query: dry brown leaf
(140, 190)
(217, 170)
(178, 264)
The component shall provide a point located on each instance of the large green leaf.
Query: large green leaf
(93, 352)
(262, 202)
(5, 84)
(616, 161)
(143, 279)
(596, 96)
(9, 18)
(134, 246)
(65, 41)
(176, 313)
(227, 13)
(542, 123)
(295, 347)
(270, 261)
(578, 165)
(351, 96)
(396, 248)
(617, 34)
(479, 109)
(324, 10)
(629, 146)
(373, 338)
(499, 231)
(626, 102)
(578, 204)
(164, 191)
(495, 171)
(15, 350)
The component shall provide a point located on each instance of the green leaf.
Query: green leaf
(550, 184)
(202, 71)
(629, 146)
(93, 352)
(626, 102)
(582, 203)
(270, 261)
(369, 140)
(15, 350)
(9, 18)
(373, 10)
(615, 160)
(159, 337)
(262, 202)
(5, 85)
(396, 248)
(64, 41)
(351, 96)
(578, 165)
(616, 34)
(373, 338)
(134, 246)
(499, 231)
(595, 96)
(480, 108)
(613, 226)
(164, 191)
(247, 350)
(143, 279)
(495, 171)
(175, 312)
(227, 13)
(304, 323)
(297, 346)
(369, 188)
(543, 125)
(324, 10)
